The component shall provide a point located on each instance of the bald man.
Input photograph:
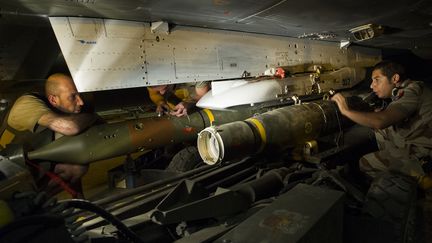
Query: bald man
(36, 120)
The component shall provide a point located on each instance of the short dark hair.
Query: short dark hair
(390, 68)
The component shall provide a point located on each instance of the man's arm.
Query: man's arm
(161, 106)
(66, 124)
(376, 120)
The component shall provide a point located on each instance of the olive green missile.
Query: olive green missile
(110, 140)
(275, 130)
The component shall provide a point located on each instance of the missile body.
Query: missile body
(274, 130)
(110, 140)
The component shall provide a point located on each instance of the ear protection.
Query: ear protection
(398, 92)
(395, 91)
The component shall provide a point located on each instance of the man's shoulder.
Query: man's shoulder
(26, 112)
(411, 90)
(415, 85)
(30, 102)
(419, 89)
(29, 98)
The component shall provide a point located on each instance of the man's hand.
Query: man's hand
(69, 172)
(162, 109)
(341, 103)
(181, 109)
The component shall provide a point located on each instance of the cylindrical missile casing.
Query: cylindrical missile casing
(110, 140)
(277, 130)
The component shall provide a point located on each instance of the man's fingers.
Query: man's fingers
(184, 112)
(335, 97)
(179, 112)
(69, 172)
(338, 98)
(176, 112)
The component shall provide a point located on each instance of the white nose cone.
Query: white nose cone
(226, 94)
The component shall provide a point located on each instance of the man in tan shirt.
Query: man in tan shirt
(36, 120)
(403, 129)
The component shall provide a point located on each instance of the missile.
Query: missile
(111, 140)
(275, 130)
(241, 92)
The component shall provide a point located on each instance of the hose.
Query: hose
(86, 205)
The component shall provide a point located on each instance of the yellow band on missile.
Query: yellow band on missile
(210, 116)
(261, 131)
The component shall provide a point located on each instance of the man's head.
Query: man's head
(386, 75)
(62, 93)
(161, 89)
